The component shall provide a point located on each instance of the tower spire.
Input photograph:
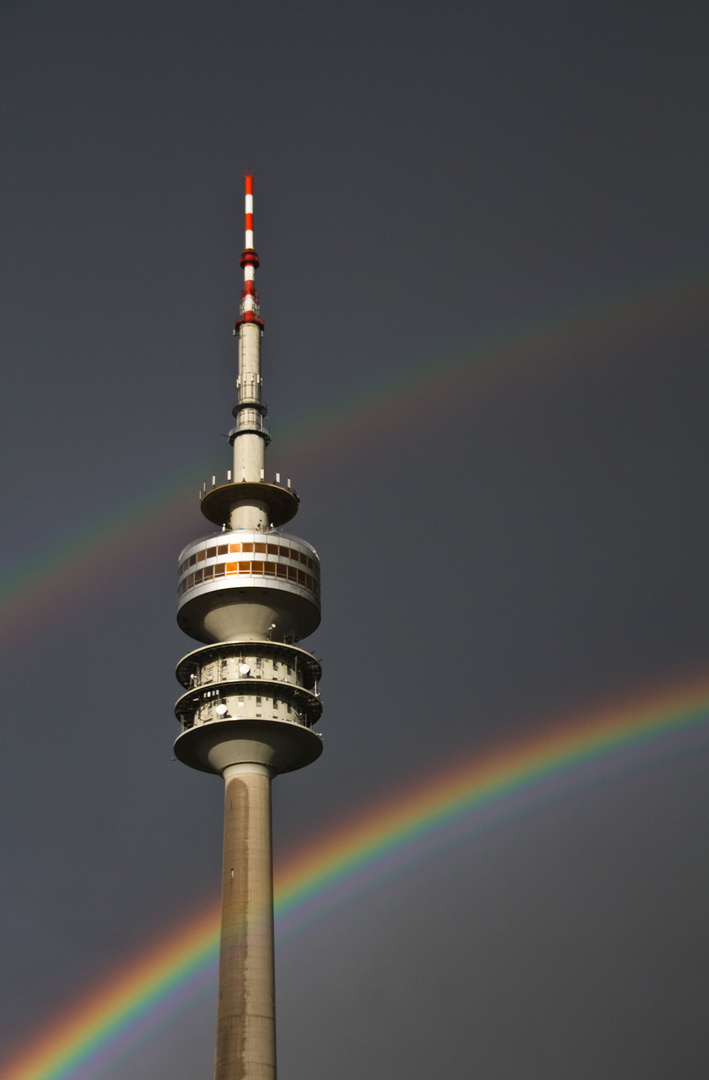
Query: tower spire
(249, 593)
(249, 213)
(249, 261)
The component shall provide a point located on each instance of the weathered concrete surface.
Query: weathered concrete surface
(246, 1018)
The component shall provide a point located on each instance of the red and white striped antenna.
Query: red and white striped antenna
(249, 261)
(249, 210)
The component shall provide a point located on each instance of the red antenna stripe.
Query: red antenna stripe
(249, 185)
(249, 221)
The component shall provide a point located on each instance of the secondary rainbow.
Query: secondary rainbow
(475, 795)
(45, 580)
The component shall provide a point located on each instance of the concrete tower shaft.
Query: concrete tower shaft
(246, 1010)
(249, 593)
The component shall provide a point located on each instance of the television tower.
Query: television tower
(248, 592)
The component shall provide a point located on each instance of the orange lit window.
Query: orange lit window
(234, 547)
(232, 567)
(247, 547)
(256, 567)
(260, 547)
(244, 567)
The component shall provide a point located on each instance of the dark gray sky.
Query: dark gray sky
(493, 559)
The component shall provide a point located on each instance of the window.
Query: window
(260, 547)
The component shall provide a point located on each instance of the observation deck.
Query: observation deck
(218, 502)
(246, 585)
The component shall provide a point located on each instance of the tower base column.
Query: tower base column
(246, 1018)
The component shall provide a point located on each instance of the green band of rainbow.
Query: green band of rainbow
(483, 790)
(43, 582)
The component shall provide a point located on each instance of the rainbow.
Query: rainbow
(81, 560)
(458, 805)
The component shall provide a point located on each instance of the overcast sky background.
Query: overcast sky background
(492, 560)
